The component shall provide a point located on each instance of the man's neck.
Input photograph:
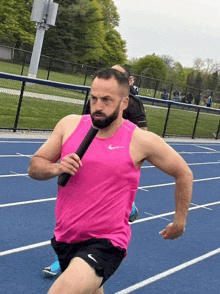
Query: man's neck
(110, 130)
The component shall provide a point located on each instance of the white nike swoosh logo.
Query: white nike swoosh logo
(91, 257)
(114, 147)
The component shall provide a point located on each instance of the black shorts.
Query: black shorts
(100, 254)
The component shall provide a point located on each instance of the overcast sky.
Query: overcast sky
(182, 29)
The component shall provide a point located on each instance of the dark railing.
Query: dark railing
(180, 105)
(29, 80)
(145, 83)
(168, 103)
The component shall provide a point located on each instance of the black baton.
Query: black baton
(64, 178)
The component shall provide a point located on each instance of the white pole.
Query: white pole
(36, 53)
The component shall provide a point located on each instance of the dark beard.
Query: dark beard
(104, 123)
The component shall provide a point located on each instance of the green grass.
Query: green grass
(181, 122)
(43, 114)
(35, 113)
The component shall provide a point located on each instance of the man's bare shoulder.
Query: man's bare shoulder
(144, 136)
(68, 124)
(69, 119)
(146, 143)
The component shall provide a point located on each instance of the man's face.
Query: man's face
(105, 102)
(131, 81)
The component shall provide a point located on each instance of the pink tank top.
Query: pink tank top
(97, 201)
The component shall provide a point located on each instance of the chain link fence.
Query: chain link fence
(81, 74)
(38, 104)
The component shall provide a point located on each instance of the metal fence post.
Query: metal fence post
(23, 64)
(155, 90)
(165, 125)
(19, 107)
(85, 76)
(49, 68)
(140, 80)
(171, 89)
(195, 125)
(216, 136)
(85, 103)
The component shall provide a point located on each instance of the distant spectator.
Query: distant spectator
(189, 98)
(133, 89)
(198, 99)
(176, 95)
(183, 100)
(164, 95)
(209, 101)
(205, 100)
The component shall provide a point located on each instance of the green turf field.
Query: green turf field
(42, 114)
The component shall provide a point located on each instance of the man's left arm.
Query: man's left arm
(183, 192)
(169, 161)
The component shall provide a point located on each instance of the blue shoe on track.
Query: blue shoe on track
(134, 213)
(53, 269)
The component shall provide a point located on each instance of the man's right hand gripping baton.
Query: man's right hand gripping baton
(64, 178)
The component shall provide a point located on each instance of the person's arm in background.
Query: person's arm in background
(135, 112)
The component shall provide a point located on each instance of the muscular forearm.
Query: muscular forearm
(183, 194)
(42, 169)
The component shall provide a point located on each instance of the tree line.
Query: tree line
(203, 75)
(85, 31)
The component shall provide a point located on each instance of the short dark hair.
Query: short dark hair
(108, 73)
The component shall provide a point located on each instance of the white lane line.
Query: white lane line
(198, 152)
(14, 155)
(207, 148)
(26, 202)
(160, 217)
(198, 205)
(173, 212)
(22, 142)
(24, 248)
(19, 249)
(51, 199)
(204, 163)
(173, 183)
(168, 272)
(13, 175)
(189, 164)
(24, 155)
(190, 144)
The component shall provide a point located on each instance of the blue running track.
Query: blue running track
(188, 265)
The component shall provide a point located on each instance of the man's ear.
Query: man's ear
(125, 102)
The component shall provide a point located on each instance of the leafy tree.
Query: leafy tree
(198, 80)
(15, 23)
(169, 61)
(79, 32)
(114, 48)
(152, 66)
(191, 79)
(214, 81)
(109, 13)
(198, 64)
(177, 74)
